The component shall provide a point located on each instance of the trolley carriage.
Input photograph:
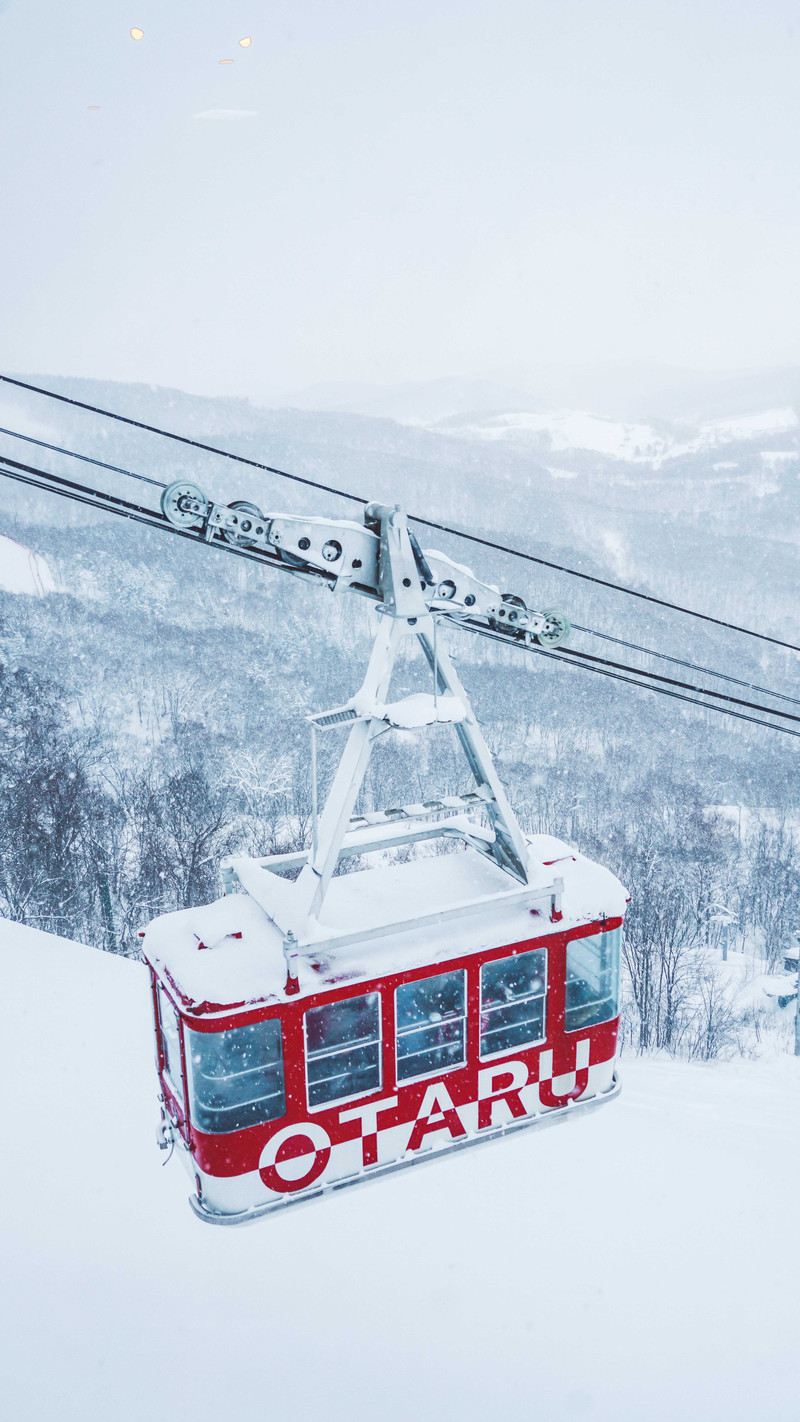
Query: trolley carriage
(317, 1028)
(322, 1029)
(459, 1026)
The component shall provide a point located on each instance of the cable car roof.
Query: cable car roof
(377, 921)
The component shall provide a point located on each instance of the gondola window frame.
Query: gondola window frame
(340, 1051)
(200, 1111)
(174, 1078)
(485, 1011)
(611, 941)
(462, 1017)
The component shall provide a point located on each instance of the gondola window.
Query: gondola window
(513, 1001)
(343, 1049)
(592, 980)
(431, 1022)
(170, 1043)
(236, 1077)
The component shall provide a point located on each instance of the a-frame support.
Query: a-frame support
(404, 614)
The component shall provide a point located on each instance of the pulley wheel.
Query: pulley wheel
(510, 615)
(250, 518)
(175, 499)
(559, 630)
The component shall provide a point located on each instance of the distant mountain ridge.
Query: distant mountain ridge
(621, 390)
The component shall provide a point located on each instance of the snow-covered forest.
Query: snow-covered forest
(153, 705)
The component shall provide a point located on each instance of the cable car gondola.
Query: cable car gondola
(317, 1029)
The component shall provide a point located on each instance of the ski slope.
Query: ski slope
(637, 1266)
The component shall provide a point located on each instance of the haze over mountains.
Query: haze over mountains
(624, 390)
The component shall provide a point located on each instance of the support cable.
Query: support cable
(644, 677)
(576, 627)
(603, 582)
(137, 513)
(634, 681)
(416, 518)
(184, 439)
(685, 685)
(110, 503)
(680, 662)
(85, 458)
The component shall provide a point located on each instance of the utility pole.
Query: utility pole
(725, 917)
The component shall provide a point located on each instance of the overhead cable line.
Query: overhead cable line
(184, 439)
(591, 631)
(680, 662)
(676, 695)
(85, 458)
(416, 518)
(645, 677)
(603, 582)
(685, 685)
(634, 681)
(110, 503)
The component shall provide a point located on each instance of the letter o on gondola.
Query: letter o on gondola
(295, 1157)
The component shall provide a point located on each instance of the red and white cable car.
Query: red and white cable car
(315, 1029)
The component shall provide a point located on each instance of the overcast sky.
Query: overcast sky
(424, 188)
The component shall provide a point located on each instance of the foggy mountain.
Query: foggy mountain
(623, 390)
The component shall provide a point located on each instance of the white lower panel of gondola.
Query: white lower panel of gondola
(322, 1167)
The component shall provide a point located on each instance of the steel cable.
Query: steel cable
(680, 662)
(110, 503)
(425, 522)
(85, 458)
(632, 681)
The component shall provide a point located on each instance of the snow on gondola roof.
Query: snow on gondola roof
(229, 954)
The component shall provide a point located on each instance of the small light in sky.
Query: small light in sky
(246, 42)
(224, 61)
(136, 33)
(92, 106)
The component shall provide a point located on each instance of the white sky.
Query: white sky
(426, 188)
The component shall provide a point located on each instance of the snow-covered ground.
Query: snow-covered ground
(572, 429)
(22, 571)
(637, 1266)
(560, 430)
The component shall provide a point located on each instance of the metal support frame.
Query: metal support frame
(403, 614)
(334, 822)
(509, 850)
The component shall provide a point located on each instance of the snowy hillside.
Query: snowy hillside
(558, 430)
(22, 570)
(626, 390)
(637, 1265)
